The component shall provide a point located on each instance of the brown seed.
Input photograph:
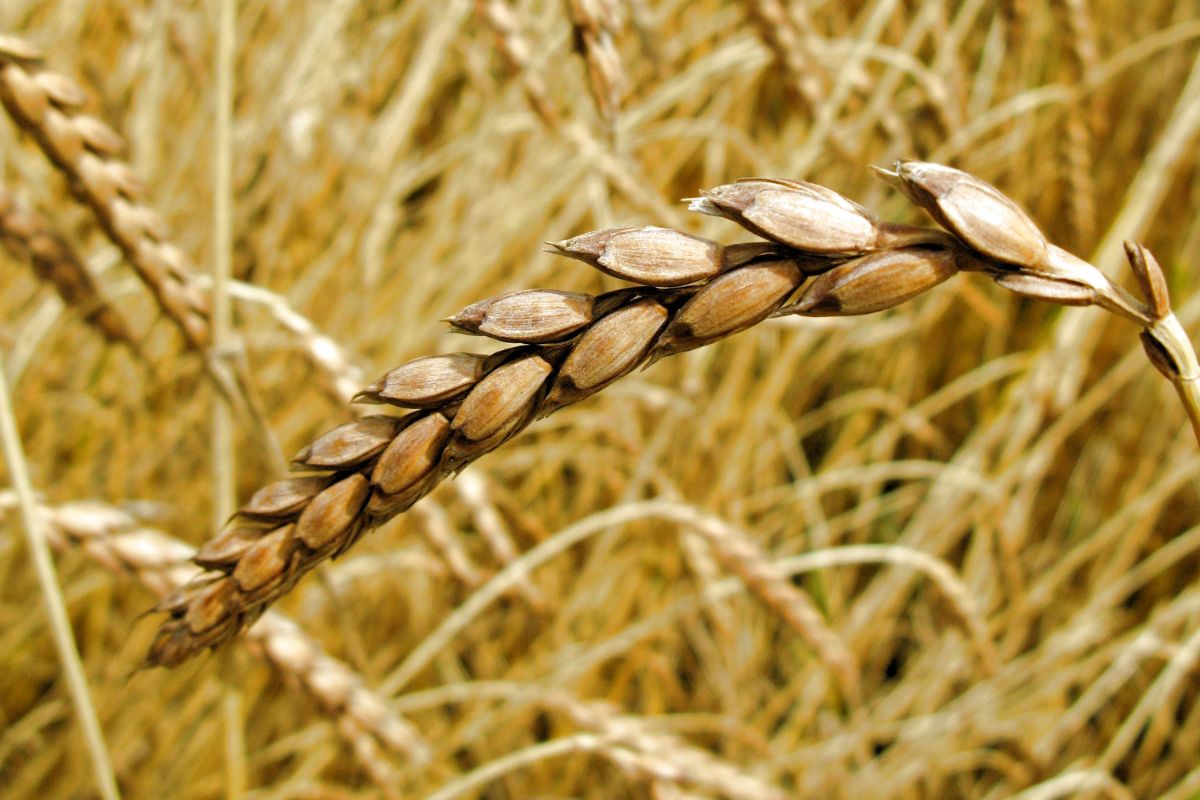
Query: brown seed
(211, 607)
(730, 303)
(282, 498)
(127, 222)
(875, 282)
(535, 316)
(266, 561)
(610, 348)
(805, 216)
(502, 400)
(650, 256)
(225, 550)
(412, 454)
(349, 444)
(426, 382)
(332, 513)
(128, 183)
(973, 210)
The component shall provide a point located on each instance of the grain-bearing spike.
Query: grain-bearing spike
(692, 293)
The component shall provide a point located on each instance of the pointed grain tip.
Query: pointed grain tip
(888, 176)
(368, 394)
(466, 321)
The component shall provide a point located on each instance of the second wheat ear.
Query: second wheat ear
(690, 292)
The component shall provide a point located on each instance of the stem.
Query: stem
(224, 464)
(1189, 393)
(60, 623)
(222, 432)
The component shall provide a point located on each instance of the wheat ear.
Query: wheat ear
(118, 542)
(30, 237)
(47, 105)
(692, 292)
(667, 762)
(365, 472)
(595, 25)
(499, 17)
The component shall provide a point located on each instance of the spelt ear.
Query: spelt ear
(691, 293)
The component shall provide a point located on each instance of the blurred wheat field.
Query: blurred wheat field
(993, 503)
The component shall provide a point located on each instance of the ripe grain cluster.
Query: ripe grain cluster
(690, 292)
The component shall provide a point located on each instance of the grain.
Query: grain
(650, 256)
(974, 211)
(584, 343)
(876, 282)
(536, 316)
(802, 215)
(426, 382)
(729, 304)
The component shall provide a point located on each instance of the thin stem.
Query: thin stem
(223, 458)
(497, 768)
(1189, 394)
(235, 740)
(224, 464)
(56, 610)
(223, 455)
